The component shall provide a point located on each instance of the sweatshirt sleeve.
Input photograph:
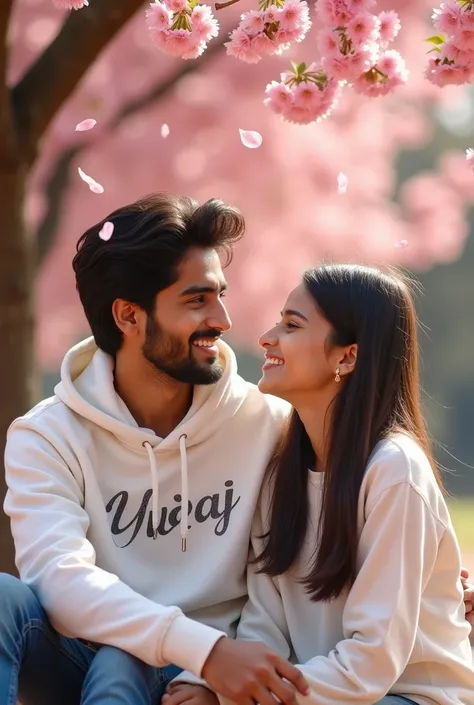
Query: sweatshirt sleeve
(54, 557)
(263, 617)
(397, 552)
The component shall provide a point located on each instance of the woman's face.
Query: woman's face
(298, 359)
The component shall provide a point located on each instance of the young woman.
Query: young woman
(356, 562)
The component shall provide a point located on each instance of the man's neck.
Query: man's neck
(155, 400)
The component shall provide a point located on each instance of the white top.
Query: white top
(401, 628)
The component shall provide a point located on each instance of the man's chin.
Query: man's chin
(208, 372)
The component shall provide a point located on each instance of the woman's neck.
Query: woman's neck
(316, 415)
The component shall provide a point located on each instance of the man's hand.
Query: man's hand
(468, 588)
(181, 693)
(250, 672)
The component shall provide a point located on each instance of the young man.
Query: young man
(132, 490)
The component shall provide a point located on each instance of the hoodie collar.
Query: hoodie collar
(87, 388)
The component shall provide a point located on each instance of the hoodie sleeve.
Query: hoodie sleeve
(397, 551)
(54, 557)
(263, 617)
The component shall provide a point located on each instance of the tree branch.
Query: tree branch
(54, 76)
(58, 182)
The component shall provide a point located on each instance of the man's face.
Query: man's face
(190, 316)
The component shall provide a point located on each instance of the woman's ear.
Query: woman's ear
(347, 360)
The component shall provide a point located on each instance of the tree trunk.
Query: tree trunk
(17, 259)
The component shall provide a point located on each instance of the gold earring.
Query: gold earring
(337, 378)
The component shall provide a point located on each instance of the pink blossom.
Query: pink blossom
(203, 19)
(183, 33)
(176, 5)
(269, 31)
(328, 42)
(272, 14)
(253, 21)
(390, 26)
(261, 44)
(204, 24)
(453, 54)
(279, 97)
(447, 74)
(335, 12)
(70, 4)
(240, 47)
(285, 37)
(295, 15)
(467, 17)
(447, 18)
(158, 16)
(392, 65)
(307, 95)
(303, 96)
(363, 28)
(389, 74)
(464, 37)
(470, 158)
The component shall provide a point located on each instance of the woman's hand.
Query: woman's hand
(185, 693)
(468, 588)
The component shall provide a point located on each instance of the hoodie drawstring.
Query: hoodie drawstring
(155, 490)
(184, 491)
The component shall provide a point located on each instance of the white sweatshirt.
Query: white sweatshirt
(401, 628)
(88, 490)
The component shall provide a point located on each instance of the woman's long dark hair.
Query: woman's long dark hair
(375, 310)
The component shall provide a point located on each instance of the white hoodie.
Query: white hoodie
(401, 628)
(95, 505)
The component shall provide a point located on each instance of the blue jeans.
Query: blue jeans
(38, 666)
(395, 700)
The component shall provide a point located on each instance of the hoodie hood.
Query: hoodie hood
(87, 388)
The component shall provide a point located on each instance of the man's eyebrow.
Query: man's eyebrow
(209, 289)
(292, 312)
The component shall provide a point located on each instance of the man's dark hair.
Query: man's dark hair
(149, 241)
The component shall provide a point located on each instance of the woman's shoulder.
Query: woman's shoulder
(400, 459)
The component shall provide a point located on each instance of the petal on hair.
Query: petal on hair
(106, 231)
(86, 125)
(342, 182)
(250, 138)
(165, 130)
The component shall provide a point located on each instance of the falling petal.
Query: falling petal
(402, 244)
(250, 139)
(106, 231)
(342, 182)
(92, 183)
(95, 187)
(165, 130)
(86, 125)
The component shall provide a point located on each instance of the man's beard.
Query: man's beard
(170, 356)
